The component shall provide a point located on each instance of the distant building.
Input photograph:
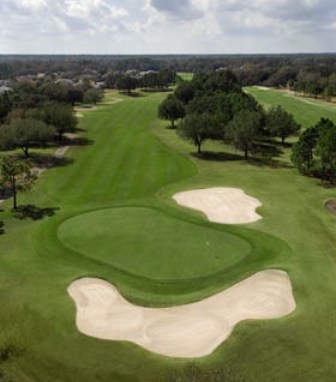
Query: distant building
(65, 81)
(4, 89)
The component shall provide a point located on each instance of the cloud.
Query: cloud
(181, 9)
(167, 26)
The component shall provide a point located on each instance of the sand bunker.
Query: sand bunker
(193, 330)
(221, 205)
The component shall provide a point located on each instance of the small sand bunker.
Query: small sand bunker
(221, 205)
(331, 206)
(193, 330)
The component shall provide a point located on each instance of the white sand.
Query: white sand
(262, 88)
(221, 205)
(193, 330)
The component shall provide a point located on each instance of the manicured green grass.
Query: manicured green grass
(307, 111)
(186, 76)
(127, 166)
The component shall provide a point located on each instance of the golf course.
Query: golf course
(117, 224)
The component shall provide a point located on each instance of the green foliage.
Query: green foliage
(185, 92)
(92, 96)
(315, 151)
(16, 175)
(281, 124)
(6, 104)
(126, 83)
(243, 130)
(171, 109)
(60, 116)
(303, 150)
(25, 133)
(326, 148)
(198, 128)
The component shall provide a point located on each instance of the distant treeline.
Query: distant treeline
(309, 74)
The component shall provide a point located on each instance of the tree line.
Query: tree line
(214, 106)
(314, 154)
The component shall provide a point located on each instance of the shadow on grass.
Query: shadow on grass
(132, 94)
(261, 161)
(44, 161)
(79, 141)
(33, 212)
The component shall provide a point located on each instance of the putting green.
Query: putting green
(152, 244)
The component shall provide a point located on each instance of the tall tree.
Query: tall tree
(197, 128)
(326, 148)
(303, 150)
(171, 109)
(281, 124)
(17, 176)
(243, 130)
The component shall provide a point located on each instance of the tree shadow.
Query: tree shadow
(45, 161)
(217, 156)
(266, 161)
(33, 212)
(79, 141)
(2, 227)
(132, 94)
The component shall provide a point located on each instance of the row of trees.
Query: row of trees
(153, 81)
(315, 151)
(36, 127)
(215, 107)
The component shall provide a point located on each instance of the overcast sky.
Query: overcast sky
(167, 26)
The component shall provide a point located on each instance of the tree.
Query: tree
(171, 109)
(185, 92)
(126, 83)
(281, 124)
(303, 150)
(24, 133)
(243, 130)
(197, 128)
(326, 148)
(6, 104)
(17, 176)
(60, 116)
(92, 96)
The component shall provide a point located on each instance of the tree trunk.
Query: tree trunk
(283, 140)
(173, 123)
(246, 154)
(14, 193)
(199, 150)
(25, 151)
(60, 136)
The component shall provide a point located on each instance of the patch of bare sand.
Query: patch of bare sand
(193, 330)
(221, 205)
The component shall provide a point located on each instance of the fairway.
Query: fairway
(307, 111)
(116, 220)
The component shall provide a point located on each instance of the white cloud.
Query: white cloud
(167, 26)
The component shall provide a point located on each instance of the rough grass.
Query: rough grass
(128, 166)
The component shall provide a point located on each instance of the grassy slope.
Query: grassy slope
(130, 166)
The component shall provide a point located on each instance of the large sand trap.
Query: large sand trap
(193, 330)
(221, 205)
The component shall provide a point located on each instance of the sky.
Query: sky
(167, 26)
